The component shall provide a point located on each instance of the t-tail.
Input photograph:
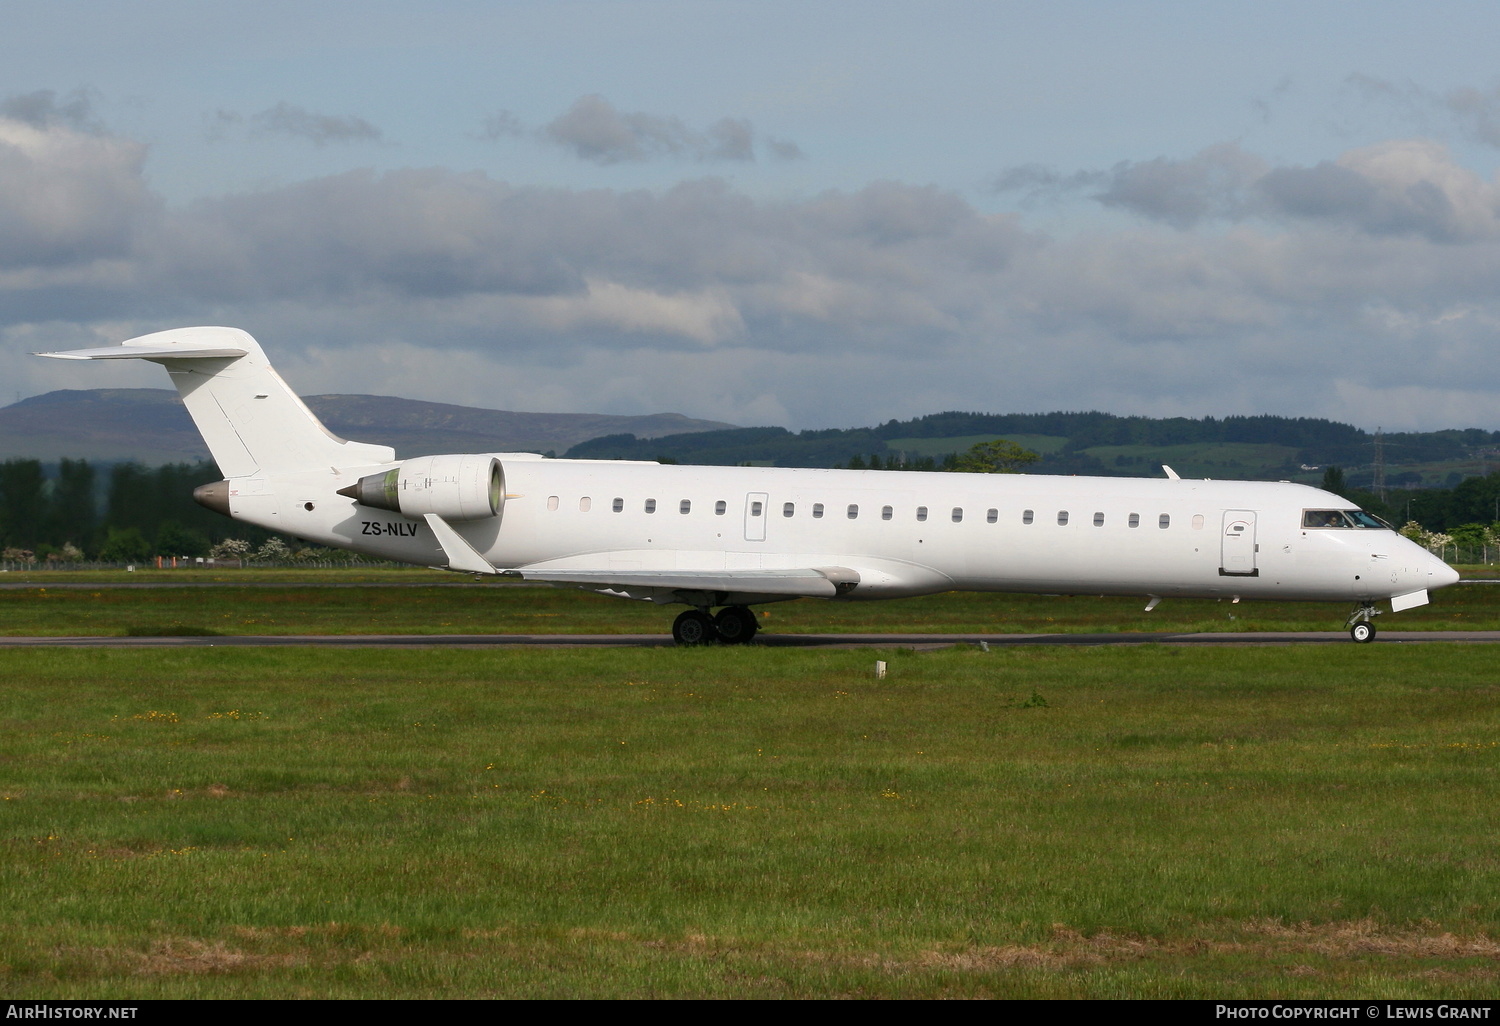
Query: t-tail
(253, 424)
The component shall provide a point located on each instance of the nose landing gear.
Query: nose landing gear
(734, 625)
(1361, 624)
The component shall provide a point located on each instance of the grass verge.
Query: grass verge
(741, 823)
(494, 608)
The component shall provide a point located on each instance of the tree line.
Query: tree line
(1315, 441)
(123, 512)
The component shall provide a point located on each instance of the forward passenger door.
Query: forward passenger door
(1238, 547)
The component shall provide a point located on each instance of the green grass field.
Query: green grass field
(431, 603)
(1030, 822)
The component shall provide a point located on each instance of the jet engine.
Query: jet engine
(453, 487)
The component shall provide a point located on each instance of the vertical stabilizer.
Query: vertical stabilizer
(253, 423)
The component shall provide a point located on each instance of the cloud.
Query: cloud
(1476, 111)
(1264, 106)
(299, 123)
(1396, 187)
(730, 139)
(1400, 186)
(706, 317)
(1184, 192)
(45, 109)
(501, 124)
(782, 149)
(593, 129)
(1211, 184)
(1040, 182)
(1321, 290)
(68, 197)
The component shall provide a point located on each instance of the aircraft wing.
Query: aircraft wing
(808, 583)
(811, 582)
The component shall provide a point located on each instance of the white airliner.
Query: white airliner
(733, 537)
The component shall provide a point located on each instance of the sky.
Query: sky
(805, 214)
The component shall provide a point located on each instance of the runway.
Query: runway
(913, 641)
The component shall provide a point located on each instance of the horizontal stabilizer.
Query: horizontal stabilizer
(179, 351)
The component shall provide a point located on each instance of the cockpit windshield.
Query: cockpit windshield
(1346, 519)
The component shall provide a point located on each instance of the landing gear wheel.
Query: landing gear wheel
(694, 627)
(736, 625)
(1362, 632)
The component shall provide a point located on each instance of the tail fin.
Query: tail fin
(253, 423)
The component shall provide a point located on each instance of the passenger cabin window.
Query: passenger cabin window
(552, 502)
(650, 505)
(921, 514)
(1164, 521)
(1027, 516)
(788, 508)
(1062, 518)
(958, 514)
(585, 504)
(719, 508)
(992, 516)
(853, 511)
(618, 506)
(886, 512)
(756, 508)
(1098, 519)
(1197, 521)
(817, 511)
(1135, 520)
(685, 506)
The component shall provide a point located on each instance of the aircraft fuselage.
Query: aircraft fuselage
(908, 533)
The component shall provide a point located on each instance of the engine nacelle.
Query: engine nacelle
(454, 487)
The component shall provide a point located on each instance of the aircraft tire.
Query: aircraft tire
(1363, 632)
(694, 627)
(736, 625)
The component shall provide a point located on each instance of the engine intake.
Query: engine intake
(454, 487)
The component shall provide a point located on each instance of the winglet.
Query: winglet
(1171, 473)
(461, 555)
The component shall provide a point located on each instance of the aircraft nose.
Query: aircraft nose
(1439, 574)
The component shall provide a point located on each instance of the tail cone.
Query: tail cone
(214, 496)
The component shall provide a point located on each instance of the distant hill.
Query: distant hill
(1260, 447)
(152, 426)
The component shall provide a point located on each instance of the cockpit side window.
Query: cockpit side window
(1324, 518)
(1343, 519)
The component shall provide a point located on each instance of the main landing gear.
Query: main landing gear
(1360, 623)
(734, 625)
